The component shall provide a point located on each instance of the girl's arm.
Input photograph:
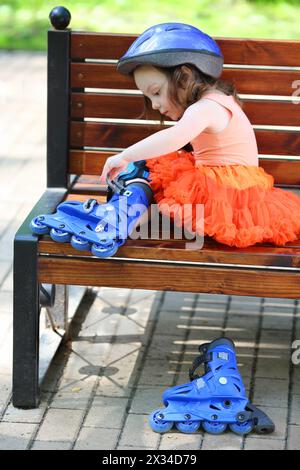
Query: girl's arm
(195, 119)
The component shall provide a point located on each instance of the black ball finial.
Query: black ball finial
(60, 17)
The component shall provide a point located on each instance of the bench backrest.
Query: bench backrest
(93, 110)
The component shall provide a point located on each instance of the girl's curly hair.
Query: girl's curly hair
(194, 85)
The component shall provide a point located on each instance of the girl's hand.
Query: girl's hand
(113, 166)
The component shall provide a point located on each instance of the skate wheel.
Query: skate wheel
(242, 428)
(79, 243)
(60, 236)
(157, 422)
(104, 251)
(213, 427)
(37, 226)
(188, 427)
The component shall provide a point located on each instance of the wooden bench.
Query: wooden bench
(77, 149)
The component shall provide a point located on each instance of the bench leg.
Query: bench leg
(26, 324)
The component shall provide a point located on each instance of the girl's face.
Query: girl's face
(154, 84)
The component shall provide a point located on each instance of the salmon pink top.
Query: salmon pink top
(235, 145)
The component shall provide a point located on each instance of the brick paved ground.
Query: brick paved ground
(127, 346)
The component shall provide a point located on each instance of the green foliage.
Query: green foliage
(24, 23)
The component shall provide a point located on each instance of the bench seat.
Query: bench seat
(261, 270)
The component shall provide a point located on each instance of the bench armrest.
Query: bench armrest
(45, 205)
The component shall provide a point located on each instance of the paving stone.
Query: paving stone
(226, 441)
(166, 347)
(129, 331)
(260, 443)
(175, 440)
(293, 441)
(132, 447)
(52, 376)
(106, 412)
(280, 341)
(100, 325)
(244, 308)
(97, 439)
(6, 301)
(15, 436)
(146, 399)
(199, 334)
(79, 367)
(5, 391)
(295, 410)
(6, 353)
(220, 298)
(239, 329)
(114, 297)
(119, 374)
(182, 301)
(114, 386)
(60, 425)
(271, 392)
(278, 318)
(270, 302)
(158, 372)
(207, 321)
(7, 284)
(137, 430)
(295, 385)
(143, 306)
(18, 415)
(272, 366)
(174, 323)
(5, 268)
(279, 417)
(52, 445)
(6, 326)
(74, 394)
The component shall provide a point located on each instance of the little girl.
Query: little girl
(177, 68)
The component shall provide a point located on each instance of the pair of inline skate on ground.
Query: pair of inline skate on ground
(214, 400)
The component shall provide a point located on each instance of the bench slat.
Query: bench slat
(236, 50)
(247, 81)
(84, 162)
(175, 250)
(156, 276)
(123, 106)
(95, 134)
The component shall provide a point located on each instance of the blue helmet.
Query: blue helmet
(171, 44)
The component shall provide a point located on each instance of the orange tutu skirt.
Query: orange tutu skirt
(241, 205)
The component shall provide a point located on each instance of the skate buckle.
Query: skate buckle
(89, 204)
(116, 186)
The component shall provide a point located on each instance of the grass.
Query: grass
(23, 23)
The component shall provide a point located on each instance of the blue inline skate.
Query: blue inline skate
(215, 400)
(101, 228)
